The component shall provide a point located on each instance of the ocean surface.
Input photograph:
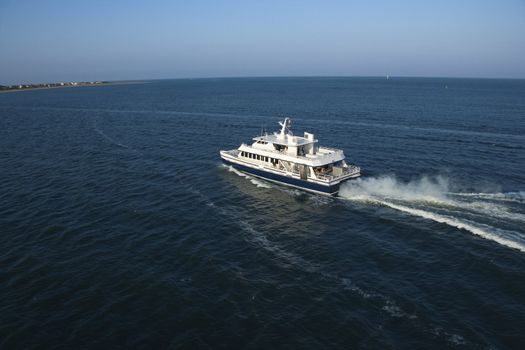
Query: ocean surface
(120, 228)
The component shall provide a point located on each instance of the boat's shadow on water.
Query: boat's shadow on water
(269, 192)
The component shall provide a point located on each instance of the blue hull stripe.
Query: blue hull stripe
(284, 179)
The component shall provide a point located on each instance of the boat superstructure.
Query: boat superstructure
(293, 160)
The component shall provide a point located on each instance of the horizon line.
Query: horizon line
(386, 76)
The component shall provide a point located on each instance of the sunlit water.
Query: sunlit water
(120, 227)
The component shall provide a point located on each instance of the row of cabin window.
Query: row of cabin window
(258, 157)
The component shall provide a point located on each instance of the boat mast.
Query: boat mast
(284, 125)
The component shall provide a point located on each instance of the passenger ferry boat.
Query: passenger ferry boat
(293, 160)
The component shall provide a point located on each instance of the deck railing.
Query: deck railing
(351, 169)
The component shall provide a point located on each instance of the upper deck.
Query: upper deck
(287, 140)
(285, 146)
(322, 156)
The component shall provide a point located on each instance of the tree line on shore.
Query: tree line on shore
(49, 85)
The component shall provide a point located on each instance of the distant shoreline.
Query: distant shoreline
(68, 85)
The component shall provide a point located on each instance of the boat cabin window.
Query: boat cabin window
(258, 157)
(280, 148)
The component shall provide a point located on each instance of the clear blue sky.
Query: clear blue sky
(56, 40)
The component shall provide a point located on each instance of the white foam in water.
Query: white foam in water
(424, 189)
(507, 197)
(432, 192)
(259, 183)
(491, 209)
(501, 236)
(389, 306)
(256, 182)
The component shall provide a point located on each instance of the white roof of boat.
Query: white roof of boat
(287, 140)
(285, 137)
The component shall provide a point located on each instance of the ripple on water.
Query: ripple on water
(119, 229)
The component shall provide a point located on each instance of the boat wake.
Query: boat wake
(106, 137)
(288, 259)
(518, 197)
(494, 216)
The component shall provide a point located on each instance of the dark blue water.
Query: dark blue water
(121, 229)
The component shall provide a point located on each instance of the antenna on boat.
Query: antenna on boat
(284, 125)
